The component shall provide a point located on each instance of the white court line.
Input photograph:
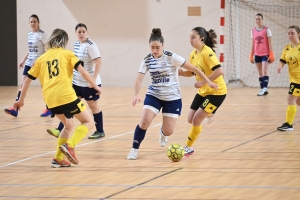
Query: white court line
(25, 159)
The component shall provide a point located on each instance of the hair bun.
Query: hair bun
(156, 31)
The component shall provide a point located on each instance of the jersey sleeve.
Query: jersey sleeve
(93, 52)
(143, 67)
(34, 71)
(177, 60)
(282, 57)
(212, 61)
(74, 61)
(44, 38)
(269, 33)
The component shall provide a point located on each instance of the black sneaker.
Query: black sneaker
(285, 127)
(97, 135)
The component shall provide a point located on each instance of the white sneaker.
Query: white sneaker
(261, 93)
(265, 91)
(132, 154)
(188, 150)
(163, 140)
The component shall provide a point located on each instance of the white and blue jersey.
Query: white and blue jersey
(36, 41)
(164, 75)
(86, 52)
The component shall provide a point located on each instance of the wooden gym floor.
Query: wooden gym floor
(240, 155)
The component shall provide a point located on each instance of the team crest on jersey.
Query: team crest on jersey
(259, 39)
(293, 62)
(163, 64)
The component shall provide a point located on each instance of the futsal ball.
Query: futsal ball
(175, 152)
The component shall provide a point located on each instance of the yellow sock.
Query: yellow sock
(79, 133)
(194, 133)
(59, 155)
(290, 113)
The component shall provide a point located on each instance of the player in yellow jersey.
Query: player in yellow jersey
(207, 100)
(54, 69)
(291, 56)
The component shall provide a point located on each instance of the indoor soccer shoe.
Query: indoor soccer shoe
(69, 153)
(163, 140)
(132, 154)
(46, 113)
(11, 111)
(54, 132)
(285, 127)
(56, 164)
(188, 150)
(261, 93)
(265, 91)
(97, 135)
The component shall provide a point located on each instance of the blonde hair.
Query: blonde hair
(58, 39)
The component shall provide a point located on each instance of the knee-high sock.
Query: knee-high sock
(98, 118)
(290, 113)
(261, 80)
(59, 155)
(139, 135)
(193, 135)
(60, 126)
(79, 133)
(265, 81)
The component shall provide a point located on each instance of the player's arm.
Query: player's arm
(251, 58)
(271, 57)
(25, 86)
(185, 73)
(281, 63)
(137, 87)
(86, 75)
(97, 63)
(194, 69)
(23, 61)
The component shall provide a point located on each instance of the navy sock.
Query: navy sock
(19, 94)
(261, 80)
(60, 126)
(266, 81)
(139, 135)
(98, 118)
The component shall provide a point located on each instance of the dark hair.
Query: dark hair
(258, 14)
(58, 38)
(296, 28)
(156, 36)
(35, 16)
(80, 25)
(209, 37)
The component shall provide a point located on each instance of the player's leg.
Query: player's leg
(12, 111)
(294, 93)
(265, 69)
(150, 110)
(92, 99)
(171, 111)
(258, 64)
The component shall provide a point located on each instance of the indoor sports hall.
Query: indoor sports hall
(240, 155)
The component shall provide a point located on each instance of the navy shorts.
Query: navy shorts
(169, 108)
(69, 109)
(87, 93)
(209, 103)
(26, 69)
(260, 59)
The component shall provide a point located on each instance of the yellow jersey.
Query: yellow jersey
(54, 69)
(291, 57)
(207, 61)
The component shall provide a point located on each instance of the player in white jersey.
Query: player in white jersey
(163, 93)
(87, 51)
(36, 40)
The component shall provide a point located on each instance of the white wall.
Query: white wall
(120, 28)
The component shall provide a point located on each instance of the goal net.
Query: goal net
(278, 15)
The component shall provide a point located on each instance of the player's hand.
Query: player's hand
(251, 58)
(21, 65)
(18, 104)
(98, 89)
(180, 72)
(213, 85)
(271, 57)
(199, 84)
(136, 99)
(279, 69)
